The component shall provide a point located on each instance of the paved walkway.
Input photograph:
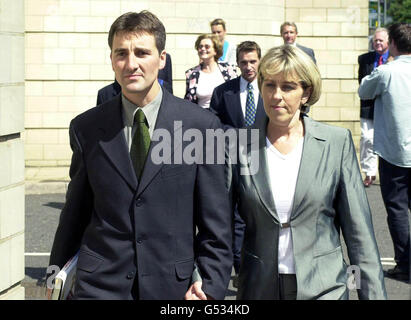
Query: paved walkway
(44, 202)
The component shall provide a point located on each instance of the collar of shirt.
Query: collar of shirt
(244, 83)
(403, 57)
(150, 111)
(291, 44)
(384, 57)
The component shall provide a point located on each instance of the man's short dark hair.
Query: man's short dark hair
(248, 46)
(290, 24)
(400, 33)
(139, 23)
(217, 22)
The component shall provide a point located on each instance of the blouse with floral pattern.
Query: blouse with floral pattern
(192, 75)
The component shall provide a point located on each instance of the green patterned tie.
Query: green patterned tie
(140, 143)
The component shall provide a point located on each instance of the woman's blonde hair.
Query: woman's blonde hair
(293, 63)
(218, 46)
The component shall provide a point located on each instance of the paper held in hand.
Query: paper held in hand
(65, 279)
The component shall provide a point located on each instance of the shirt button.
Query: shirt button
(139, 202)
(130, 275)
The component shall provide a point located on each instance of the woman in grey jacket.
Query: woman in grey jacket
(297, 191)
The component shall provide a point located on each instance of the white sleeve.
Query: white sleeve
(372, 85)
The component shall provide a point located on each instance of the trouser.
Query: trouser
(288, 286)
(396, 193)
(368, 159)
(238, 237)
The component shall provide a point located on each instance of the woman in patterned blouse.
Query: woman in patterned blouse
(210, 73)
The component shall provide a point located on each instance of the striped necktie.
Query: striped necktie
(250, 109)
(379, 61)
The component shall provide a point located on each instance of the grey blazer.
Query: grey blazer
(329, 197)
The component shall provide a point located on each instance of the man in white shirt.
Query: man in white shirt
(289, 33)
(390, 86)
(229, 50)
(238, 104)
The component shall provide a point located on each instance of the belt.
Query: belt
(285, 225)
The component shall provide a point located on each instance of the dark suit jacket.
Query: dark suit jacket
(329, 198)
(128, 230)
(108, 92)
(225, 103)
(366, 66)
(308, 51)
(165, 75)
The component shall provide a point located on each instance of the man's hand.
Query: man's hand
(195, 292)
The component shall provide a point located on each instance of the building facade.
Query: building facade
(11, 149)
(67, 57)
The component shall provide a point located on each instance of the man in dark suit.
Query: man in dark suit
(238, 104)
(165, 78)
(367, 63)
(133, 206)
(289, 33)
(229, 99)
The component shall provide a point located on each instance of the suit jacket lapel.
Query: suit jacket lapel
(261, 179)
(312, 150)
(166, 123)
(260, 114)
(113, 141)
(233, 103)
(370, 64)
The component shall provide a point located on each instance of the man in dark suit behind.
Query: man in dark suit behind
(165, 78)
(131, 210)
(289, 33)
(229, 99)
(367, 63)
(238, 104)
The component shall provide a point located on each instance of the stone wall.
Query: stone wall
(11, 149)
(67, 57)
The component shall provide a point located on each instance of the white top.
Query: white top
(283, 172)
(244, 92)
(230, 55)
(206, 84)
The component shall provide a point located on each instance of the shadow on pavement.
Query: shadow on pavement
(36, 274)
(55, 205)
(400, 279)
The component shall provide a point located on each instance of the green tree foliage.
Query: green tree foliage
(400, 11)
